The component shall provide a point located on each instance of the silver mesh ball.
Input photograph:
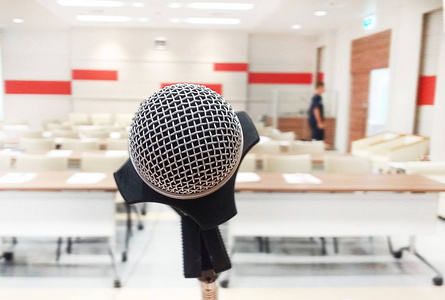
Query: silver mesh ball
(185, 141)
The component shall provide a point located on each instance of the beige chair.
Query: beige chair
(94, 134)
(5, 161)
(32, 134)
(287, 163)
(79, 119)
(425, 167)
(123, 120)
(101, 119)
(93, 162)
(302, 147)
(361, 147)
(78, 144)
(266, 147)
(57, 126)
(283, 136)
(63, 133)
(117, 144)
(347, 164)
(36, 144)
(248, 164)
(40, 163)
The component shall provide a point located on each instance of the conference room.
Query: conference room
(199, 149)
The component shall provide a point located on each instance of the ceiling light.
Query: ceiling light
(137, 4)
(91, 3)
(175, 5)
(320, 13)
(175, 20)
(18, 21)
(296, 26)
(143, 19)
(210, 5)
(100, 18)
(216, 21)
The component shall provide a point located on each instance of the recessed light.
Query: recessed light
(320, 13)
(175, 20)
(138, 4)
(18, 21)
(211, 5)
(143, 19)
(91, 3)
(100, 18)
(175, 5)
(214, 21)
(296, 26)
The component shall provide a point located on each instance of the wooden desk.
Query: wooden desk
(48, 206)
(342, 205)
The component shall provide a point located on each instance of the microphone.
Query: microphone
(186, 141)
(186, 144)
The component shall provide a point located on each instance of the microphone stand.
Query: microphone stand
(204, 253)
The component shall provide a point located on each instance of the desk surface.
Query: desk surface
(270, 182)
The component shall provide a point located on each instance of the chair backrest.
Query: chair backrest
(347, 164)
(37, 144)
(287, 163)
(101, 119)
(78, 144)
(57, 126)
(92, 162)
(79, 119)
(301, 147)
(5, 161)
(94, 134)
(266, 147)
(62, 133)
(123, 120)
(117, 144)
(425, 167)
(40, 163)
(32, 134)
(283, 136)
(248, 164)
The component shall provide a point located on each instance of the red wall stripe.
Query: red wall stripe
(280, 78)
(94, 74)
(37, 87)
(232, 67)
(426, 90)
(213, 86)
(320, 77)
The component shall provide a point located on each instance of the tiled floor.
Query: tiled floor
(362, 270)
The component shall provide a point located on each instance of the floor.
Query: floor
(363, 269)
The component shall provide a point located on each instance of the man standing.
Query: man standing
(316, 117)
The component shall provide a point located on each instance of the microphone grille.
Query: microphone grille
(185, 141)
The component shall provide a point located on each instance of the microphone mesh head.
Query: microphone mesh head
(185, 141)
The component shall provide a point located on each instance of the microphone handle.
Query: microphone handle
(209, 291)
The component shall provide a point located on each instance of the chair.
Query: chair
(302, 147)
(5, 161)
(248, 164)
(57, 126)
(266, 147)
(78, 144)
(33, 134)
(40, 163)
(124, 120)
(91, 162)
(117, 144)
(425, 167)
(360, 147)
(94, 134)
(101, 119)
(64, 133)
(283, 136)
(347, 164)
(78, 119)
(287, 163)
(36, 144)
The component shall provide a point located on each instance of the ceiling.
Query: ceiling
(266, 15)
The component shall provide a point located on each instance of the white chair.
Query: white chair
(63, 133)
(248, 164)
(117, 144)
(347, 164)
(93, 162)
(425, 167)
(79, 119)
(40, 163)
(302, 147)
(94, 134)
(33, 134)
(287, 163)
(101, 119)
(78, 144)
(5, 161)
(124, 120)
(266, 147)
(284, 136)
(360, 147)
(36, 144)
(57, 126)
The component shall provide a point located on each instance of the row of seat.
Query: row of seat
(303, 164)
(30, 144)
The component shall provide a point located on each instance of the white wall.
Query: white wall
(280, 53)
(189, 57)
(1, 78)
(36, 55)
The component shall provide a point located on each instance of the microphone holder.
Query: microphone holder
(204, 253)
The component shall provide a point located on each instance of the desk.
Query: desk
(342, 205)
(48, 206)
